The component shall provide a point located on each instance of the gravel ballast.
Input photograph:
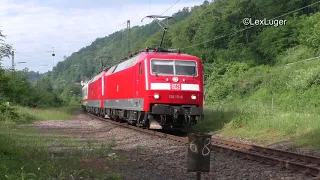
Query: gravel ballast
(150, 157)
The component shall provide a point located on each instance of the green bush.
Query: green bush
(7, 112)
(10, 114)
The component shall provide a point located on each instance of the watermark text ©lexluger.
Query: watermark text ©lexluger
(264, 22)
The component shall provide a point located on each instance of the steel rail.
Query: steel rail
(308, 164)
(270, 151)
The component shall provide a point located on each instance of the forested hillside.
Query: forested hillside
(241, 62)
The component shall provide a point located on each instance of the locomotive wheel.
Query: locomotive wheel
(132, 123)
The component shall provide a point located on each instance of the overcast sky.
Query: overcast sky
(33, 27)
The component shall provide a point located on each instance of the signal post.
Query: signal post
(198, 157)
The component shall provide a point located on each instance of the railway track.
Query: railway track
(309, 165)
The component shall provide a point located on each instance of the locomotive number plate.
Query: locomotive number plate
(175, 86)
(175, 97)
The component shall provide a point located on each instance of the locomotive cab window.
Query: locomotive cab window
(174, 67)
(162, 67)
(140, 68)
(186, 68)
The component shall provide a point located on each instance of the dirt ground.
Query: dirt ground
(149, 157)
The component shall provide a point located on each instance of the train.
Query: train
(154, 89)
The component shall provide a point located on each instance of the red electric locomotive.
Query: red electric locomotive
(156, 89)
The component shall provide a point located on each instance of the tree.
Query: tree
(5, 49)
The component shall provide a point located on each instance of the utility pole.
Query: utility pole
(53, 54)
(12, 56)
(128, 27)
(101, 60)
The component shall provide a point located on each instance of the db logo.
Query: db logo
(175, 86)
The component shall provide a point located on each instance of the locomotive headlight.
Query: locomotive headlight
(175, 79)
(194, 97)
(156, 96)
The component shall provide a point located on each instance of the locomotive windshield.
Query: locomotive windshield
(162, 67)
(176, 67)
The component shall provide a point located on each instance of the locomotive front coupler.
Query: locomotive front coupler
(175, 113)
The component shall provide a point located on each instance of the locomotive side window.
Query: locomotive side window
(114, 69)
(110, 70)
(162, 67)
(186, 68)
(126, 64)
(140, 69)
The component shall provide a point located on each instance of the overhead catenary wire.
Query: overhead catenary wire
(24, 53)
(149, 19)
(120, 32)
(42, 51)
(27, 56)
(61, 51)
(149, 5)
(112, 41)
(37, 51)
(169, 7)
(246, 28)
(300, 61)
(165, 28)
(304, 60)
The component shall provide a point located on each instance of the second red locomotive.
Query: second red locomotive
(156, 89)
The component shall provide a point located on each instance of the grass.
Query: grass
(26, 155)
(63, 113)
(264, 124)
(267, 103)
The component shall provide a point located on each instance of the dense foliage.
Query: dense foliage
(5, 49)
(16, 89)
(240, 64)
